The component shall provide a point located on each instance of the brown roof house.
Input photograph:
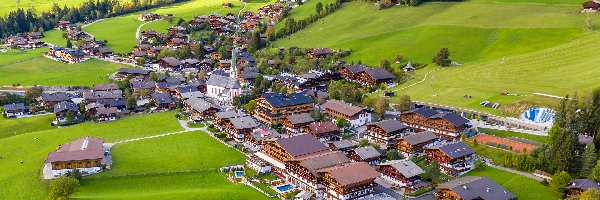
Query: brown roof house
(357, 115)
(297, 123)
(325, 131)
(473, 187)
(85, 154)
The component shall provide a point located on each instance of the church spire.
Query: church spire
(234, 69)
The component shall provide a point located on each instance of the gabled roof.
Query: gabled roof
(65, 106)
(342, 107)
(451, 117)
(14, 106)
(106, 111)
(56, 96)
(262, 134)
(200, 105)
(474, 187)
(104, 87)
(584, 184)
(352, 173)
(300, 118)
(134, 71)
(162, 98)
(142, 84)
(323, 127)
(343, 144)
(243, 122)
(173, 62)
(379, 73)
(301, 145)
(324, 160)
(367, 152)
(405, 167)
(357, 68)
(227, 114)
(82, 149)
(420, 137)
(187, 89)
(455, 149)
(390, 125)
(95, 95)
(223, 81)
(278, 100)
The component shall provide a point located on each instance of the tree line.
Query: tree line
(292, 26)
(23, 21)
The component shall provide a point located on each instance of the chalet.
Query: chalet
(168, 87)
(62, 25)
(222, 88)
(375, 76)
(103, 52)
(63, 110)
(176, 43)
(85, 154)
(125, 72)
(170, 64)
(190, 72)
(349, 181)
(297, 123)
(319, 53)
(136, 55)
(120, 104)
(413, 144)
(163, 101)
(106, 114)
(224, 64)
(446, 125)
(244, 58)
(192, 95)
(93, 96)
(15, 110)
(180, 90)
(345, 146)
(200, 84)
(221, 118)
(325, 131)
(200, 109)
(293, 81)
(237, 128)
(50, 99)
(357, 115)
(578, 186)
(303, 172)
(227, 5)
(149, 17)
(142, 85)
(593, 5)
(473, 187)
(454, 158)
(274, 107)
(150, 36)
(367, 154)
(33, 43)
(270, 10)
(106, 87)
(206, 65)
(401, 173)
(176, 29)
(248, 75)
(72, 56)
(385, 132)
(191, 63)
(248, 25)
(257, 137)
(35, 35)
(276, 152)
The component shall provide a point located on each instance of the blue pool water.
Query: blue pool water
(239, 174)
(285, 188)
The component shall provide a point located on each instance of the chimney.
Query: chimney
(487, 190)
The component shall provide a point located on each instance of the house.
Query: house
(119, 104)
(64, 110)
(191, 63)
(222, 88)
(304, 172)
(345, 146)
(140, 86)
(237, 128)
(192, 95)
(578, 186)
(319, 53)
(591, 5)
(200, 109)
(227, 5)
(276, 152)
(473, 187)
(170, 64)
(257, 137)
(200, 84)
(367, 154)
(297, 123)
(375, 76)
(106, 87)
(106, 114)
(455, 158)
(348, 181)
(85, 154)
(401, 173)
(62, 25)
(356, 115)
(414, 143)
(125, 72)
(35, 35)
(350, 72)
(325, 131)
(149, 17)
(385, 132)
(223, 117)
(163, 101)
(15, 109)
(275, 107)
(94, 96)
(447, 125)
(185, 89)
(50, 99)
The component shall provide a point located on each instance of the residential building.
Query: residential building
(106, 114)
(15, 110)
(275, 107)
(237, 128)
(325, 131)
(385, 132)
(85, 154)
(401, 173)
(200, 109)
(367, 154)
(297, 123)
(447, 125)
(412, 144)
(357, 115)
(578, 186)
(455, 158)
(472, 187)
(348, 181)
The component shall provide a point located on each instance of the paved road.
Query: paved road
(137, 32)
(528, 175)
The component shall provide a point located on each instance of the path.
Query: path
(137, 32)
(421, 81)
(182, 123)
(528, 175)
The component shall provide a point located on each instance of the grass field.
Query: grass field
(304, 11)
(520, 186)
(23, 181)
(13, 126)
(120, 31)
(38, 70)
(507, 134)
(55, 37)
(6, 6)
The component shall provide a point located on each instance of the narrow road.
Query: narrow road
(137, 32)
(182, 123)
(528, 175)
(421, 81)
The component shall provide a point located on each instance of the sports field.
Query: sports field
(521, 186)
(120, 31)
(23, 181)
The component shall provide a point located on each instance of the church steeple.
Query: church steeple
(234, 69)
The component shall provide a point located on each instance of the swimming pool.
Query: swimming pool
(239, 174)
(284, 188)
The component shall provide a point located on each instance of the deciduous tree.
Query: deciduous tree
(62, 188)
(559, 181)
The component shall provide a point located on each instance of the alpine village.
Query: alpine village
(300, 99)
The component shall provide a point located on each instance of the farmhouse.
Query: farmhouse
(163, 101)
(473, 187)
(223, 117)
(349, 181)
(200, 109)
(303, 172)
(366, 154)
(454, 158)
(170, 64)
(375, 76)
(592, 5)
(85, 154)
(446, 125)
(48, 99)
(106, 87)
(63, 110)
(149, 17)
(93, 96)
(578, 186)
(14, 109)
(345, 146)
(357, 115)
(401, 173)
(350, 72)
(106, 114)
(274, 107)
(142, 85)
(319, 53)
(325, 131)
(296, 123)
(414, 143)
(385, 132)
(237, 128)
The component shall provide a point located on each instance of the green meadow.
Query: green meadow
(7, 6)
(15, 126)
(304, 11)
(521, 186)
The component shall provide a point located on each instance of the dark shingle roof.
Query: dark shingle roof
(300, 118)
(390, 125)
(455, 149)
(14, 107)
(405, 167)
(243, 122)
(134, 71)
(301, 145)
(56, 96)
(420, 137)
(379, 73)
(342, 107)
(65, 106)
(278, 100)
(162, 98)
(323, 127)
(367, 152)
(474, 187)
(584, 184)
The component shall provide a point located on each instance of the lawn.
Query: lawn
(304, 11)
(185, 151)
(521, 186)
(15, 126)
(120, 31)
(38, 70)
(55, 37)
(192, 185)
(508, 134)
(6, 6)
(22, 181)
(13, 56)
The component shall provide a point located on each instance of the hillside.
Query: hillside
(6, 6)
